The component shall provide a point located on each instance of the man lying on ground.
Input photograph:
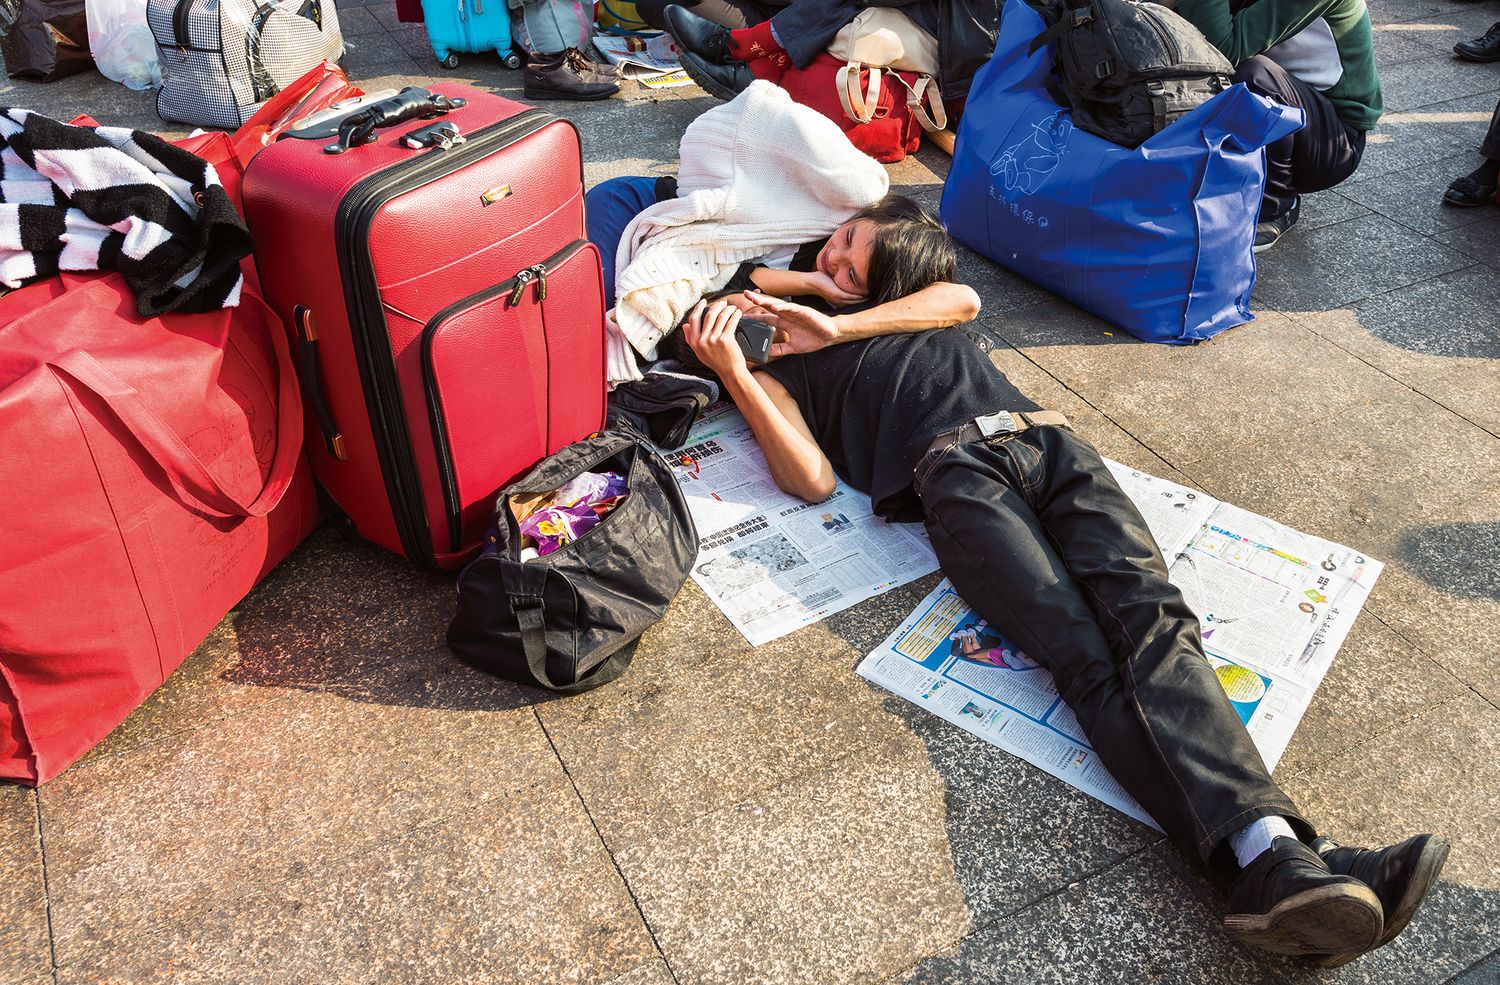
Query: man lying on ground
(1038, 538)
(1317, 56)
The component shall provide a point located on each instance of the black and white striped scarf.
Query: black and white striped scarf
(108, 198)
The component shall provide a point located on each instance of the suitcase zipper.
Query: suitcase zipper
(515, 287)
(352, 223)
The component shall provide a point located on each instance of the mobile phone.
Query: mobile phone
(755, 338)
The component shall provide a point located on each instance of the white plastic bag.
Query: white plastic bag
(121, 43)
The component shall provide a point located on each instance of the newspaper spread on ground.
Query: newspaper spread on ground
(771, 562)
(1275, 607)
(651, 61)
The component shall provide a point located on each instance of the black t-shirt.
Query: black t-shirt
(876, 404)
(803, 261)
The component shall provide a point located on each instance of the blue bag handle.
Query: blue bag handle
(1246, 121)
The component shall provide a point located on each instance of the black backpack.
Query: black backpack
(1128, 69)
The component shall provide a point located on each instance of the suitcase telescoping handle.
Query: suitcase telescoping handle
(411, 103)
(312, 381)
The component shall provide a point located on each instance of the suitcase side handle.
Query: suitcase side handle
(311, 380)
(411, 103)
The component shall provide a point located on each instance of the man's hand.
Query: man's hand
(799, 329)
(820, 284)
(709, 330)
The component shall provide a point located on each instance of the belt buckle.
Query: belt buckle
(1000, 422)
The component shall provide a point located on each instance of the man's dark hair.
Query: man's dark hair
(909, 249)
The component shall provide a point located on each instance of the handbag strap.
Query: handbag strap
(859, 101)
(524, 584)
(925, 102)
(183, 468)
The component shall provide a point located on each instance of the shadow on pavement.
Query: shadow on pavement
(1462, 559)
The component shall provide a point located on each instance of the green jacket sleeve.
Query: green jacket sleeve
(1256, 27)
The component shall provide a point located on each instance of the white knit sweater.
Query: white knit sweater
(759, 174)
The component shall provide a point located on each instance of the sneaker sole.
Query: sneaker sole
(1339, 919)
(1429, 866)
(1459, 202)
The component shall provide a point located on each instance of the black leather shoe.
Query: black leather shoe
(1400, 875)
(565, 75)
(1485, 49)
(1287, 901)
(1467, 192)
(719, 81)
(699, 35)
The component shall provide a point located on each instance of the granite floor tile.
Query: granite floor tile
(332, 611)
(25, 947)
(1480, 240)
(1414, 195)
(1417, 137)
(683, 742)
(1485, 972)
(1326, 208)
(1447, 323)
(1389, 11)
(1184, 402)
(1409, 41)
(171, 828)
(1432, 80)
(1353, 475)
(1319, 269)
(1000, 292)
(368, 57)
(519, 889)
(1378, 680)
(357, 21)
(1048, 320)
(842, 876)
(1152, 919)
(655, 973)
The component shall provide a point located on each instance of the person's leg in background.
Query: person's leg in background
(725, 62)
(1478, 186)
(1034, 532)
(731, 14)
(1320, 155)
(608, 208)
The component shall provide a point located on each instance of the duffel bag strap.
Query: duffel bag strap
(1071, 19)
(860, 103)
(524, 584)
(926, 103)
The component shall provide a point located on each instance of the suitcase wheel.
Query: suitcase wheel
(451, 62)
(512, 60)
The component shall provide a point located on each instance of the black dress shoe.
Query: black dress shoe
(1400, 875)
(1467, 192)
(699, 35)
(1287, 901)
(719, 81)
(1485, 49)
(566, 75)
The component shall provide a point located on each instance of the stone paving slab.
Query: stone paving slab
(25, 945)
(516, 889)
(165, 830)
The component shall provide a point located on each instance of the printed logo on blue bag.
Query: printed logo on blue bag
(1027, 163)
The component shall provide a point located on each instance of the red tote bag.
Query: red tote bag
(882, 111)
(152, 475)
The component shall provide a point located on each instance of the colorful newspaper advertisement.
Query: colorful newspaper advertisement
(652, 61)
(1275, 606)
(771, 562)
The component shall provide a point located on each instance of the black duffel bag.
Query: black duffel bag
(569, 621)
(1129, 69)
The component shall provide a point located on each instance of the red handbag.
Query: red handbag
(883, 111)
(153, 474)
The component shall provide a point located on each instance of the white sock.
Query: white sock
(1254, 838)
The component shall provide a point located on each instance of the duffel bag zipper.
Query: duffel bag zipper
(382, 389)
(515, 289)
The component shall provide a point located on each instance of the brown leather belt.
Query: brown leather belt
(1000, 422)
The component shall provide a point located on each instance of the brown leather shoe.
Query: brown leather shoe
(566, 75)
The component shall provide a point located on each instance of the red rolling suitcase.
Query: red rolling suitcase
(446, 307)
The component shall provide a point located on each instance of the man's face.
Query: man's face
(846, 256)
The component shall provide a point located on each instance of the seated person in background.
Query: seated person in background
(1317, 56)
(1036, 535)
(779, 35)
(888, 245)
(1478, 186)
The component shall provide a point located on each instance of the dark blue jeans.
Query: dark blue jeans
(607, 210)
(1038, 537)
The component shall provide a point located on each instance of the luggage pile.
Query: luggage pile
(458, 343)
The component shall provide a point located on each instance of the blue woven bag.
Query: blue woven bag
(1154, 240)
